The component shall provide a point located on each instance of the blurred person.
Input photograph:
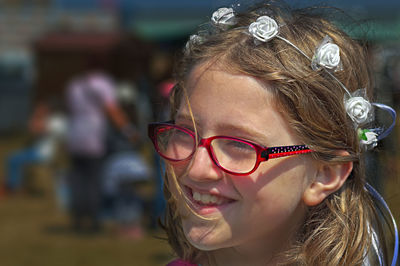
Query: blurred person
(126, 171)
(91, 102)
(47, 128)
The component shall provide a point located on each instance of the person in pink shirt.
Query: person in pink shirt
(91, 102)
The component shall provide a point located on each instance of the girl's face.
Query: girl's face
(260, 211)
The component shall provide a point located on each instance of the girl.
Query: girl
(269, 122)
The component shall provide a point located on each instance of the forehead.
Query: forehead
(222, 88)
(219, 99)
(224, 83)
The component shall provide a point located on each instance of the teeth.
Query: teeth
(206, 198)
(197, 196)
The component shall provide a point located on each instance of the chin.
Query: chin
(202, 246)
(204, 236)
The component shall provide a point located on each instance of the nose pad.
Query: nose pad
(202, 166)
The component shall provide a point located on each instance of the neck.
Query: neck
(235, 258)
(262, 252)
(268, 254)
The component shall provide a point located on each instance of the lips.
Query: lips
(202, 199)
(208, 199)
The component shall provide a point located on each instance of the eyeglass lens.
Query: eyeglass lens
(174, 143)
(231, 154)
(234, 155)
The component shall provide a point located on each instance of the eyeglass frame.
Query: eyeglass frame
(263, 153)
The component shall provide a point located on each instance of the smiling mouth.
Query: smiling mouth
(203, 199)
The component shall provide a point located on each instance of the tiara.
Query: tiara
(326, 57)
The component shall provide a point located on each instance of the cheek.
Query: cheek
(274, 193)
(176, 190)
(172, 184)
(179, 168)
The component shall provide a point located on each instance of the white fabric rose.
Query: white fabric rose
(327, 55)
(371, 141)
(223, 16)
(368, 138)
(193, 40)
(358, 109)
(264, 28)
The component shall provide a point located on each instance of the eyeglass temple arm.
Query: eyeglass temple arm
(282, 151)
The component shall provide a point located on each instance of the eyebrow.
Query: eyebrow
(245, 132)
(240, 131)
(185, 117)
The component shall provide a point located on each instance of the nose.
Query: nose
(202, 168)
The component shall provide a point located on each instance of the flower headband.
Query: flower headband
(326, 57)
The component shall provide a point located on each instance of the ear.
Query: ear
(328, 179)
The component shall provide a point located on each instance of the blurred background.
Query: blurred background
(105, 67)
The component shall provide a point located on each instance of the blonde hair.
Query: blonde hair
(337, 231)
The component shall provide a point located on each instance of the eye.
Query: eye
(180, 135)
(238, 145)
(230, 151)
(232, 146)
(176, 144)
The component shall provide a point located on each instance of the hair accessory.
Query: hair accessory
(368, 138)
(358, 108)
(264, 28)
(196, 39)
(193, 39)
(327, 55)
(224, 17)
(384, 133)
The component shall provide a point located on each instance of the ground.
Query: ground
(34, 229)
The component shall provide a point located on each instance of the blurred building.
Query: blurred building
(42, 42)
(21, 24)
(62, 55)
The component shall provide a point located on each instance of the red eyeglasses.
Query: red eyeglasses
(233, 155)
